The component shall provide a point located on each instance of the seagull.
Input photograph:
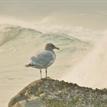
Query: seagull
(44, 59)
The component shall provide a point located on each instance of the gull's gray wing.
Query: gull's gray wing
(43, 60)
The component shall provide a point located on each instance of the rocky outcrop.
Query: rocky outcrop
(53, 93)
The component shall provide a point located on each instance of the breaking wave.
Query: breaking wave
(92, 70)
(78, 47)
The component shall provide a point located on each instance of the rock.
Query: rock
(53, 93)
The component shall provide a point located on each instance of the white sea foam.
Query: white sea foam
(92, 70)
(18, 44)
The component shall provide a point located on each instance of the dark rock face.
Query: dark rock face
(54, 93)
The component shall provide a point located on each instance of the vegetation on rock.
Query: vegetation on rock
(54, 93)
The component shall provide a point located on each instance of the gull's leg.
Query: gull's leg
(46, 72)
(40, 73)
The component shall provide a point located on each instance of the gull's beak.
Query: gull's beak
(57, 48)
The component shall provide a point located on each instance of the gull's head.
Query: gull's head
(50, 46)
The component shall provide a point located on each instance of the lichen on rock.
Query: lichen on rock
(48, 92)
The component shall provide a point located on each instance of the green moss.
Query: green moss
(55, 103)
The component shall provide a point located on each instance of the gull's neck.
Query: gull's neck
(48, 49)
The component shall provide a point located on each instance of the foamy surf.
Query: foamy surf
(18, 44)
(92, 70)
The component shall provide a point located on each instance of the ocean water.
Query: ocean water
(81, 59)
(92, 70)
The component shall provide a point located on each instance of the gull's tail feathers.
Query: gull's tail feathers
(29, 65)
